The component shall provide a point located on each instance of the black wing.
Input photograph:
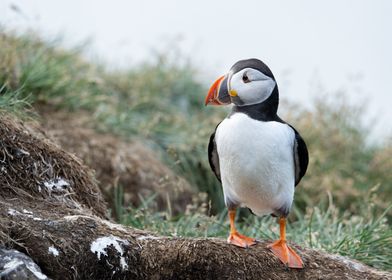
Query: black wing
(213, 157)
(301, 156)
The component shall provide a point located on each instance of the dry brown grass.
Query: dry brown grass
(128, 168)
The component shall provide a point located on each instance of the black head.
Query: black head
(249, 84)
(254, 63)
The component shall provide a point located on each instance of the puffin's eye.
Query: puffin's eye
(245, 78)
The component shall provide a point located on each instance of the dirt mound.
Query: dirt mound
(52, 210)
(130, 165)
(34, 170)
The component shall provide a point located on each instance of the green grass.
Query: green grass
(46, 73)
(14, 102)
(161, 104)
(367, 238)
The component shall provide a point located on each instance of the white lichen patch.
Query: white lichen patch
(52, 250)
(15, 263)
(109, 224)
(13, 212)
(145, 237)
(34, 269)
(352, 264)
(114, 226)
(56, 185)
(99, 246)
(72, 218)
(25, 213)
(10, 266)
(22, 152)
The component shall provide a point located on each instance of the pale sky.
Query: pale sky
(338, 44)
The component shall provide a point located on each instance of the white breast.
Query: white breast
(256, 163)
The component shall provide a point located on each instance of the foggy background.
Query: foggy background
(311, 47)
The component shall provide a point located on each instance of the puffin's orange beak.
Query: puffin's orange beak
(218, 93)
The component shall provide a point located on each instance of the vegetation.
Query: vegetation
(162, 103)
(366, 237)
(11, 101)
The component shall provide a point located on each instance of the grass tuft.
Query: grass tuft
(367, 237)
(161, 103)
(14, 102)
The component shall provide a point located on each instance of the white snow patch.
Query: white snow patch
(57, 184)
(100, 244)
(52, 250)
(34, 270)
(145, 237)
(10, 266)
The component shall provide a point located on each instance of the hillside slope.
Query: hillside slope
(49, 199)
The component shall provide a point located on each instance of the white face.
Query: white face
(251, 86)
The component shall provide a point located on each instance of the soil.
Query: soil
(118, 163)
(52, 210)
(35, 170)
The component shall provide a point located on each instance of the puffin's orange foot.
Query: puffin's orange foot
(287, 255)
(240, 240)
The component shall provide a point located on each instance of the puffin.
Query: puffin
(258, 157)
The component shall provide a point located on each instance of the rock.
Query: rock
(16, 265)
